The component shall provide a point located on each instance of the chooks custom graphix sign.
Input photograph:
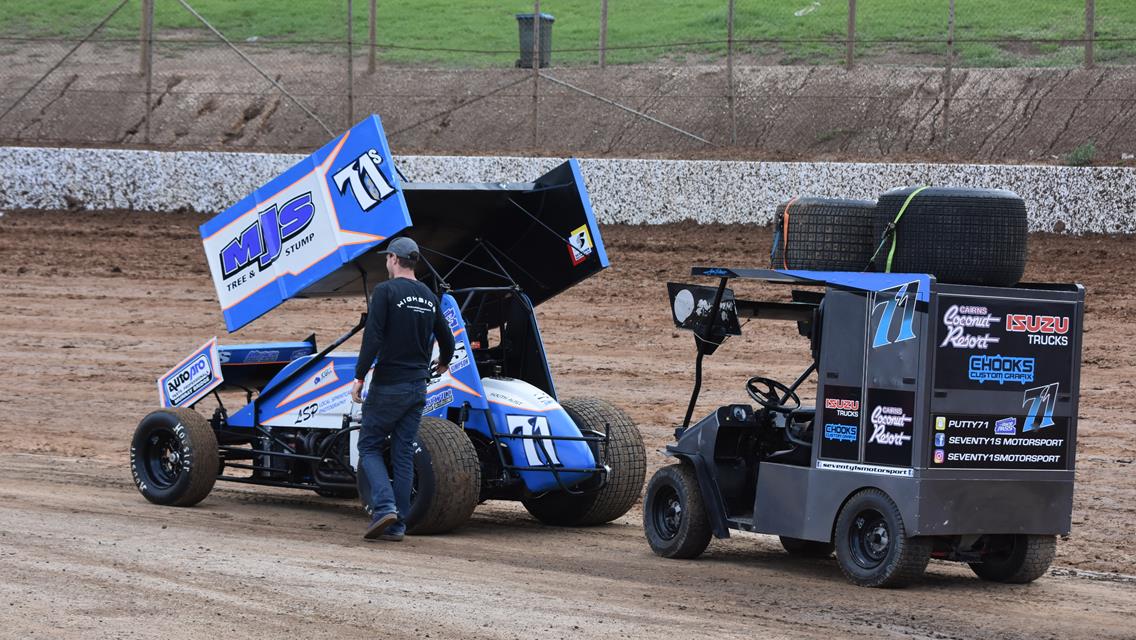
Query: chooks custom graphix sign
(324, 212)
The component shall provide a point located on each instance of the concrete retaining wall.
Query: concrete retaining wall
(1071, 199)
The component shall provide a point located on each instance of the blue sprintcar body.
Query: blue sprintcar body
(494, 251)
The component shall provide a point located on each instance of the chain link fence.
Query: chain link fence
(697, 78)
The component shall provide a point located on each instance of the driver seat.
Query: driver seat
(799, 438)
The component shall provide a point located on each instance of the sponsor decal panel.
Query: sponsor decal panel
(985, 344)
(1040, 330)
(896, 315)
(889, 427)
(968, 327)
(841, 432)
(438, 400)
(580, 245)
(841, 415)
(538, 451)
(993, 442)
(834, 465)
(1006, 427)
(1000, 369)
(192, 378)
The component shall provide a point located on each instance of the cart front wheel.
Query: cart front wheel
(674, 514)
(872, 545)
(1015, 558)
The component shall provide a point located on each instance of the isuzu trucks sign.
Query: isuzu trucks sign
(324, 212)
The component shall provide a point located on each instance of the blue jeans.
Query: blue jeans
(389, 410)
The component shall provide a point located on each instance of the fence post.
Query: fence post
(371, 30)
(350, 72)
(603, 33)
(535, 68)
(730, 73)
(948, 87)
(147, 61)
(851, 47)
(1090, 32)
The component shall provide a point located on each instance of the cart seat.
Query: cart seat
(799, 437)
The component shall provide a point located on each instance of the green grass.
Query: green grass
(488, 27)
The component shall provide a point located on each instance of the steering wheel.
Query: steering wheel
(768, 392)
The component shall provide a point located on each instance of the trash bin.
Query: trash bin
(525, 26)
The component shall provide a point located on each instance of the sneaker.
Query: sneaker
(394, 534)
(379, 525)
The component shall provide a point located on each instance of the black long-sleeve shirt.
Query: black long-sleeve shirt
(403, 318)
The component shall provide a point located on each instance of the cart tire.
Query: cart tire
(1018, 559)
(824, 234)
(447, 478)
(807, 548)
(872, 546)
(962, 236)
(174, 458)
(626, 457)
(674, 513)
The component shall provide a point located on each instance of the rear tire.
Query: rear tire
(174, 458)
(1016, 558)
(674, 513)
(872, 545)
(962, 236)
(626, 457)
(807, 548)
(447, 478)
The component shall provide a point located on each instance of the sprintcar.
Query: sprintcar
(280, 414)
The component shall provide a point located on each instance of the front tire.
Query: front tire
(1015, 559)
(174, 458)
(872, 545)
(626, 457)
(447, 478)
(674, 513)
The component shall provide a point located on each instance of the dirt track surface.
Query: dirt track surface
(96, 306)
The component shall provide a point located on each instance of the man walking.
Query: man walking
(403, 319)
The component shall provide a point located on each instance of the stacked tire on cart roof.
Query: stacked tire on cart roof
(823, 234)
(960, 236)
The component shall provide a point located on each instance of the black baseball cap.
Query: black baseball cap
(403, 247)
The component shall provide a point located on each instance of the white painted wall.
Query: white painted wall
(1078, 199)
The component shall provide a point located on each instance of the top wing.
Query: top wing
(304, 225)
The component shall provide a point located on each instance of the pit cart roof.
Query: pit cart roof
(846, 279)
(316, 230)
(862, 281)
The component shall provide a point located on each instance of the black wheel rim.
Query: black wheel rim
(869, 539)
(162, 458)
(667, 513)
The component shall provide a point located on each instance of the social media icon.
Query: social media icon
(940, 456)
(940, 424)
(940, 439)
